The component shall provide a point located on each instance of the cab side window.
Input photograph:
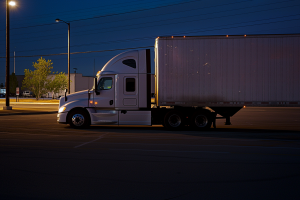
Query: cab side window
(130, 63)
(105, 83)
(130, 84)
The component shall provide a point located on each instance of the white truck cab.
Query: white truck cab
(120, 97)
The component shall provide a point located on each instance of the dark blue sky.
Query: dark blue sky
(109, 25)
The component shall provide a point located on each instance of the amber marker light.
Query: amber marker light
(96, 103)
(245, 35)
(98, 73)
(244, 106)
(91, 102)
(226, 35)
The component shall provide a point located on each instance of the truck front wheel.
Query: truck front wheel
(79, 118)
(173, 120)
(201, 120)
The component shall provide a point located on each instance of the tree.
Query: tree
(59, 82)
(37, 81)
(13, 83)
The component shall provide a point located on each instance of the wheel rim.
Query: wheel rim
(201, 121)
(174, 120)
(78, 120)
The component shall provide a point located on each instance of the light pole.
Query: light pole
(58, 20)
(8, 3)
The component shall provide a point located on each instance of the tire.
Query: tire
(79, 118)
(201, 120)
(173, 120)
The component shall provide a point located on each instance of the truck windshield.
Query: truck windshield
(105, 83)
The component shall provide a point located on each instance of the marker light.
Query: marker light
(98, 73)
(91, 102)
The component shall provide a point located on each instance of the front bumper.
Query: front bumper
(62, 117)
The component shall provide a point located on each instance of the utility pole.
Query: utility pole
(14, 62)
(7, 107)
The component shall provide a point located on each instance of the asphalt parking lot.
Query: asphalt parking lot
(257, 157)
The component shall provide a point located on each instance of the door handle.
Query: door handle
(111, 102)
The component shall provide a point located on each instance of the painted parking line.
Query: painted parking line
(102, 136)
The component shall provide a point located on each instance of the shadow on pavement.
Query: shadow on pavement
(237, 133)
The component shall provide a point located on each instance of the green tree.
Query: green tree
(13, 83)
(37, 81)
(59, 82)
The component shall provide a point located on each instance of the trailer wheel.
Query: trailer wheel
(79, 118)
(173, 120)
(201, 120)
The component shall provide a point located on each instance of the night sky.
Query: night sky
(100, 28)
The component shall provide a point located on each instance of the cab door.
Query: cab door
(106, 88)
(104, 101)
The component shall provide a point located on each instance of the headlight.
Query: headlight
(62, 109)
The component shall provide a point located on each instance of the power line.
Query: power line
(156, 25)
(252, 12)
(188, 32)
(214, 29)
(108, 15)
(227, 4)
(179, 33)
(88, 10)
(143, 38)
(183, 18)
(60, 54)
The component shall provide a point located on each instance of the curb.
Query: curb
(28, 113)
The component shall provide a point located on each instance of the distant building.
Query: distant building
(79, 82)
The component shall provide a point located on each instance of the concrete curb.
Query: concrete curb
(27, 113)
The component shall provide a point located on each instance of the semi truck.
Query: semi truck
(196, 81)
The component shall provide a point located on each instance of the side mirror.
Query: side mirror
(66, 98)
(95, 87)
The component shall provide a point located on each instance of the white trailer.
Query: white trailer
(196, 78)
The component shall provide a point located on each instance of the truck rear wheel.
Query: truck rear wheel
(173, 120)
(79, 118)
(201, 120)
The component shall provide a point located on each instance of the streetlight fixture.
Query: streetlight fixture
(8, 3)
(58, 20)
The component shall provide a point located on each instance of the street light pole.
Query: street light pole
(69, 71)
(7, 107)
(58, 20)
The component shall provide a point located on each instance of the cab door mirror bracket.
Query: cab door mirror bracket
(96, 87)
